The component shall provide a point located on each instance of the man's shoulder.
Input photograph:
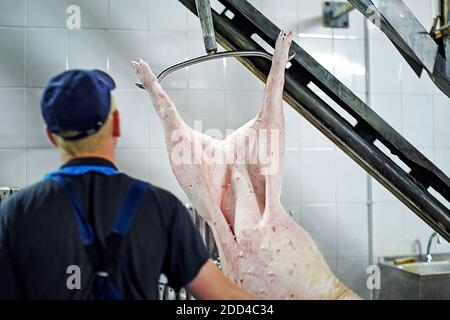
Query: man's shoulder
(159, 193)
(20, 202)
(165, 199)
(27, 194)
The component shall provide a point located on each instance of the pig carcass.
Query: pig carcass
(235, 184)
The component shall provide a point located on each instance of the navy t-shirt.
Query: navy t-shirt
(39, 239)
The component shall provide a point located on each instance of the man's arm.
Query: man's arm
(211, 284)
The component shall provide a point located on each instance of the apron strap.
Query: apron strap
(84, 228)
(101, 259)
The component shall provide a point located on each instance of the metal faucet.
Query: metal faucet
(428, 256)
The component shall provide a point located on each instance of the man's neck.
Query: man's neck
(65, 157)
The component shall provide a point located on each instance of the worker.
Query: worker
(88, 231)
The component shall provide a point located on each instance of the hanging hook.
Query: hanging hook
(218, 55)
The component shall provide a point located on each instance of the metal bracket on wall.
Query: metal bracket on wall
(336, 14)
(245, 31)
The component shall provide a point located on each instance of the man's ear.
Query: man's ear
(116, 124)
(51, 137)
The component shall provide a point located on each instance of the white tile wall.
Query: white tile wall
(351, 180)
(317, 169)
(352, 227)
(47, 54)
(131, 14)
(124, 47)
(13, 111)
(388, 226)
(40, 162)
(310, 20)
(412, 84)
(441, 115)
(168, 48)
(47, 13)
(209, 107)
(349, 63)
(167, 16)
(312, 138)
(36, 135)
(389, 107)
(242, 106)
(320, 221)
(416, 233)
(14, 171)
(325, 190)
(134, 162)
(290, 191)
(12, 57)
(418, 120)
(161, 173)
(209, 75)
(293, 122)
(134, 111)
(88, 49)
(13, 13)
(385, 67)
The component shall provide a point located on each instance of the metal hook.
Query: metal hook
(218, 55)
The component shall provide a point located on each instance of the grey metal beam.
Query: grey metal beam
(355, 140)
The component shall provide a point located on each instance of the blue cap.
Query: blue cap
(77, 101)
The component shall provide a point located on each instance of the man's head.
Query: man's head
(80, 113)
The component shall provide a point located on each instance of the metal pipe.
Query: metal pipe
(218, 55)
(445, 7)
(369, 178)
(206, 21)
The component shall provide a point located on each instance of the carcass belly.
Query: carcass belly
(282, 262)
(275, 258)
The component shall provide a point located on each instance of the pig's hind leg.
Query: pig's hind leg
(271, 118)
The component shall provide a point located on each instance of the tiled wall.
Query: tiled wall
(326, 191)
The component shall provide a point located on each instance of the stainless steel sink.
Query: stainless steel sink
(427, 268)
(415, 280)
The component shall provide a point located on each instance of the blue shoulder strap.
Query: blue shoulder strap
(101, 262)
(128, 210)
(84, 229)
